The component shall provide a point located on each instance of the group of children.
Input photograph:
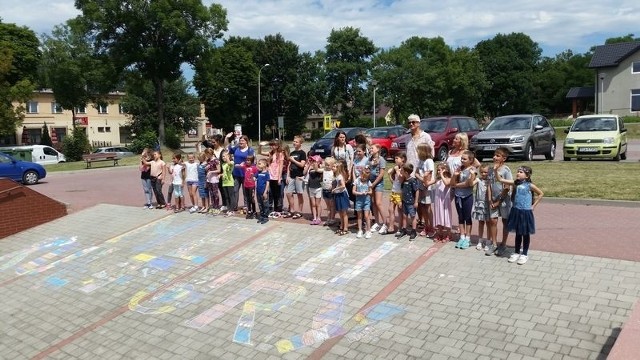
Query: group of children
(423, 194)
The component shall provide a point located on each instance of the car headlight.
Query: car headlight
(394, 145)
(608, 140)
(568, 141)
(517, 139)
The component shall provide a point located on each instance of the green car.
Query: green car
(596, 137)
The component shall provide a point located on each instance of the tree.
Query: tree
(76, 73)
(509, 63)
(45, 139)
(347, 66)
(153, 37)
(19, 57)
(181, 107)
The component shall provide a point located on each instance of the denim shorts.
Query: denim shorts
(326, 194)
(363, 203)
(408, 209)
(177, 191)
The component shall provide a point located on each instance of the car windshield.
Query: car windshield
(434, 126)
(594, 124)
(99, 151)
(377, 133)
(331, 134)
(510, 123)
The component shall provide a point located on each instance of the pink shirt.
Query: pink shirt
(276, 159)
(249, 176)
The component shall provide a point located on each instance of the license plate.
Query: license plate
(491, 147)
(320, 150)
(588, 149)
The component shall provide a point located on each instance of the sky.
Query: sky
(555, 25)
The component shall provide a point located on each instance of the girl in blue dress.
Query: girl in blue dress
(525, 197)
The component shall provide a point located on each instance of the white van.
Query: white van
(41, 154)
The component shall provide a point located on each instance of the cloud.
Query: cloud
(554, 25)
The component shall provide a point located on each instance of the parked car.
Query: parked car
(121, 151)
(41, 154)
(323, 145)
(523, 135)
(442, 130)
(27, 172)
(596, 137)
(383, 136)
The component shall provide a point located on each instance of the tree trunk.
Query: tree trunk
(159, 86)
(73, 117)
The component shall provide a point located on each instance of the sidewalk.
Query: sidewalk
(117, 281)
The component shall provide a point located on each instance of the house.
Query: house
(105, 124)
(315, 121)
(617, 78)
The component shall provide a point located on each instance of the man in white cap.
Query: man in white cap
(418, 136)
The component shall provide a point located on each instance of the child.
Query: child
(424, 175)
(327, 186)
(295, 183)
(262, 191)
(481, 211)
(213, 181)
(441, 202)
(500, 202)
(157, 166)
(395, 199)
(313, 171)
(145, 176)
(276, 163)
(203, 190)
(377, 165)
(340, 196)
(249, 185)
(170, 187)
(409, 203)
(462, 184)
(191, 169)
(227, 180)
(525, 197)
(362, 191)
(178, 173)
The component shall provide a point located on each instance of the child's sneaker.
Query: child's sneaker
(229, 213)
(465, 244)
(400, 233)
(375, 227)
(480, 244)
(383, 230)
(513, 257)
(412, 234)
(522, 259)
(359, 234)
(367, 235)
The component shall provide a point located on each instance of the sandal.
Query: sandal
(343, 232)
(286, 214)
(296, 215)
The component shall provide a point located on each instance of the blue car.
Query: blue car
(26, 172)
(323, 145)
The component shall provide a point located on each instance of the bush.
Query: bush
(171, 138)
(147, 139)
(76, 144)
(46, 138)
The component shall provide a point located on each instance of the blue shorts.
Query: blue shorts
(409, 209)
(177, 191)
(363, 203)
(379, 187)
(327, 194)
(203, 191)
(192, 183)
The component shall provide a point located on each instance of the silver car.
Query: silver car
(523, 135)
(121, 151)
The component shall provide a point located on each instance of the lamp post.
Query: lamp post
(259, 101)
(374, 83)
(600, 110)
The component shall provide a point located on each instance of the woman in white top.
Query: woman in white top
(418, 136)
(460, 144)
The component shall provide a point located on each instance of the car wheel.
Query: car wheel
(528, 152)
(566, 158)
(623, 156)
(383, 153)
(552, 152)
(617, 157)
(443, 153)
(30, 177)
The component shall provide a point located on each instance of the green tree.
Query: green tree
(347, 67)
(509, 63)
(45, 139)
(153, 37)
(19, 58)
(181, 107)
(76, 73)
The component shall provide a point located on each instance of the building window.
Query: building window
(103, 129)
(103, 109)
(120, 109)
(635, 67)
(635, 99)
(32, 107)
(320, 124)
(81, 110)
(56, 108)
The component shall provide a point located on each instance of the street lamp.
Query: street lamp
(374, 83)
(259, 101)
(601, 75)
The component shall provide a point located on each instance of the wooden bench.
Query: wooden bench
(91, 158)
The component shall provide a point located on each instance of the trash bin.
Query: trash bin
(19, 154)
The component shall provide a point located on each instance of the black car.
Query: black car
(323, 145)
